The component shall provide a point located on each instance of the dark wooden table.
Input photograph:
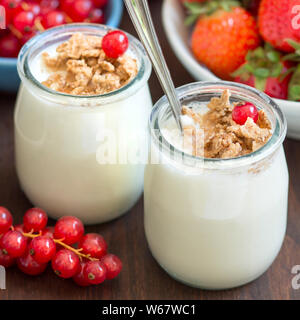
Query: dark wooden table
(142, 278)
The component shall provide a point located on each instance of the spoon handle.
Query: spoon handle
(141, 18)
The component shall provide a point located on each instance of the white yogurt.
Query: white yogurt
(217, 226)
(60, 146)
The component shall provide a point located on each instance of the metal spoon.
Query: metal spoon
(141, 18)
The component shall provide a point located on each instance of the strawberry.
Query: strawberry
(278, 20)
(223, 35)
(266, 70)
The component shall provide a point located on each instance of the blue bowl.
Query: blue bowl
(9, 78)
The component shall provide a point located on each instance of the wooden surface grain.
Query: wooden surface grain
(142, 278)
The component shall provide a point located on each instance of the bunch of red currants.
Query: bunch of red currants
(24, 19)
(33, 245)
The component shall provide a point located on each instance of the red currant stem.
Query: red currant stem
(68, 19)
(38, 25)
(60, 242)
(77, 251)
(15, 31)
(31, 234)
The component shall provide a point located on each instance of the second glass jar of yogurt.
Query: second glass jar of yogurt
(215, 223)
(71, 156)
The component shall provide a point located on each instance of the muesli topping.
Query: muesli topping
(215, 134)
(80, 67)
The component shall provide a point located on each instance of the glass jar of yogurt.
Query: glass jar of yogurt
(215, 223)
(76, 155)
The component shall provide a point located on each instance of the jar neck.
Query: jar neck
(54, 36)
(202, 92)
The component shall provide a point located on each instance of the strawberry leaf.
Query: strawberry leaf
(249, 68)
(262, 63)
(260, 83)
(194, 7)
(258, 53)
(276, 70)
(291, 57)
(191, 19)
(228, 5)
(294, 86)
(199, 9)
(285, 74)
(261, 73)
(273, 56)
(242, 72)
(294, 44)
(294, 93)
(207, 8)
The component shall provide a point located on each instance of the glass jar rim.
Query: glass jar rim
(39, 40)
(162, 107)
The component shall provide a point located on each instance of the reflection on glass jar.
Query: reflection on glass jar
(216, 223)
(71, 155)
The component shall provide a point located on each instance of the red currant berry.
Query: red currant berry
(33, 7)
(113, 265)
(6, 220)
(94, 272)
(114, 44)
(93, 244)
(13, 243)
(29, 266)
(53, 19)
(12, 7)
(79, 278)
(20, 228)
(10, 4)
(65, 263)
(48, 232)
(70, 229)
(66, 6)
(49, 5)
(42, 249)
(96, 16)
(24, 21)
(80, 10)
(240, 113)
(5, 260)
(35, 219)
(9, 46)
(100, 3)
